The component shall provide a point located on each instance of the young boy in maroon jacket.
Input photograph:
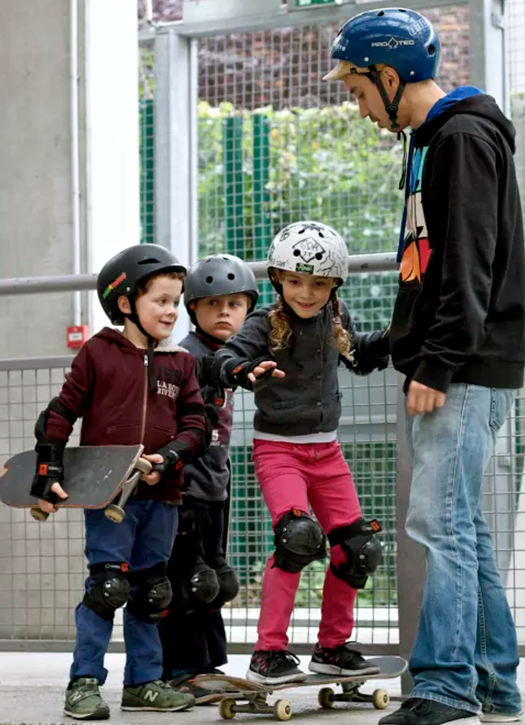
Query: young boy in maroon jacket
(128, 387)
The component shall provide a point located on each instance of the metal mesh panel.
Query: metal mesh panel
(277, 144)
(506, 498)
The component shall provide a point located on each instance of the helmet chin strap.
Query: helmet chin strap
(133, 317)
(391, 106)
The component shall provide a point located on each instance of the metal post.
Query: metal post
(410, 556)
(147, 173)
(487, 49)
(175, 103)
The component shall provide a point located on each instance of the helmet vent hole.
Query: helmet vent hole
(209, 280)
(380, 14)
(319, 255)
(231, 276)
(296, 253)
(321, 234)
(431, 50)
(150, 260)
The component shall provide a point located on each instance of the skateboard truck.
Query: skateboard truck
(115, 511)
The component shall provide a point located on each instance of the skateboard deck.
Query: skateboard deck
(93, 477)
(231, 691)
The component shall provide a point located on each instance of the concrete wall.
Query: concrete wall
(35, 171)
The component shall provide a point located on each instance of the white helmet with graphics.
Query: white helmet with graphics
(310, 247)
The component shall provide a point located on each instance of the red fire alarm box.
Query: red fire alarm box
(77, 335)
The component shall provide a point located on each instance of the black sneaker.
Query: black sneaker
(416, 711)
(186, 684)
(340, 660)
(274, 667)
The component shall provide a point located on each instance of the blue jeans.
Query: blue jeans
(466, 651)
(143, 539)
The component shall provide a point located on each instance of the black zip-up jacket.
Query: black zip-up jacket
(308, 399)
(459, 314)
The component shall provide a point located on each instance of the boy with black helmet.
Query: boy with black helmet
(128, 387)
(220, 291)
(458, 336)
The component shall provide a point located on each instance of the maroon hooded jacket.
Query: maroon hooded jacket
(108, 388)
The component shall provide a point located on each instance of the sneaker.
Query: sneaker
(500, 716)
(156, 696)
(274, 667)
(340, 660)
(83, 700)
(185, 683)
(416, 711)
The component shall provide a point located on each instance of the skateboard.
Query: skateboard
(93, 477)
(231, 691)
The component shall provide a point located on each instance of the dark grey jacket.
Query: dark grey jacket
(207, 477)
(307, 400)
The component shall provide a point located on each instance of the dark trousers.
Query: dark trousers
(194, 642)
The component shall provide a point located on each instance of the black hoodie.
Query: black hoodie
(459, 314)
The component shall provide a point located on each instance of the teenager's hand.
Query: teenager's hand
(422, 399)
(268, 367)
(154, 477)
(47, 506)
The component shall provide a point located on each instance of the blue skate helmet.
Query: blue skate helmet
(398, 37)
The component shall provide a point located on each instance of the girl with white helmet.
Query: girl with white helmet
(289, 353)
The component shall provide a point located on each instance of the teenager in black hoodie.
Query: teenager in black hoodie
(458, 336)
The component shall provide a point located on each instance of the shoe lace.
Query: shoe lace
(288, 657)
(415, 704)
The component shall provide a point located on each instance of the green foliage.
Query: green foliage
(325, 164)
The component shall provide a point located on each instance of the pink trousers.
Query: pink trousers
(296, 477)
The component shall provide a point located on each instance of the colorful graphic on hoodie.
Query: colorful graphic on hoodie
(415, 245)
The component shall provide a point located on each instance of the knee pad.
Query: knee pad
(109, 590)
(362, 548)
(298, 540)
(151, 600)
(202, 585)
(228, 583)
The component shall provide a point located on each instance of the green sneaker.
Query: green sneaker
(83, 700)
(156, 696)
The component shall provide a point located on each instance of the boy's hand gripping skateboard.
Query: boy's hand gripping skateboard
(94, 477)
(236, 690)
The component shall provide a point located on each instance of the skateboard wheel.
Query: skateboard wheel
(380, 699)
(282, 710)
(143, 466)
(115, 513)
(38, 514)
(227, 708)
(325, 698)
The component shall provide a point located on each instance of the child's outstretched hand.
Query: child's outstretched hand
(268, 368)
(49, 507)
(154, 477)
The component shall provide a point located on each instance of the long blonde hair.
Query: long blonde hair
(281, 329)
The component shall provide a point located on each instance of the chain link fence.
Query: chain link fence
(275, 144)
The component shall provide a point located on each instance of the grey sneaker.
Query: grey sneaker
(84, 702)
(156, 696)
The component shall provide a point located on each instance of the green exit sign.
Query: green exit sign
(299, 4)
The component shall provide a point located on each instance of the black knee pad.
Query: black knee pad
(298, 540)
(201, 585)
(362, 548)
(109, 590)
(152, 599)
(228, 583)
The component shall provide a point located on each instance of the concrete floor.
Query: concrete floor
(32, 690)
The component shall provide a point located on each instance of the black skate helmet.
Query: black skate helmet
(125, 271)
(216, 275)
